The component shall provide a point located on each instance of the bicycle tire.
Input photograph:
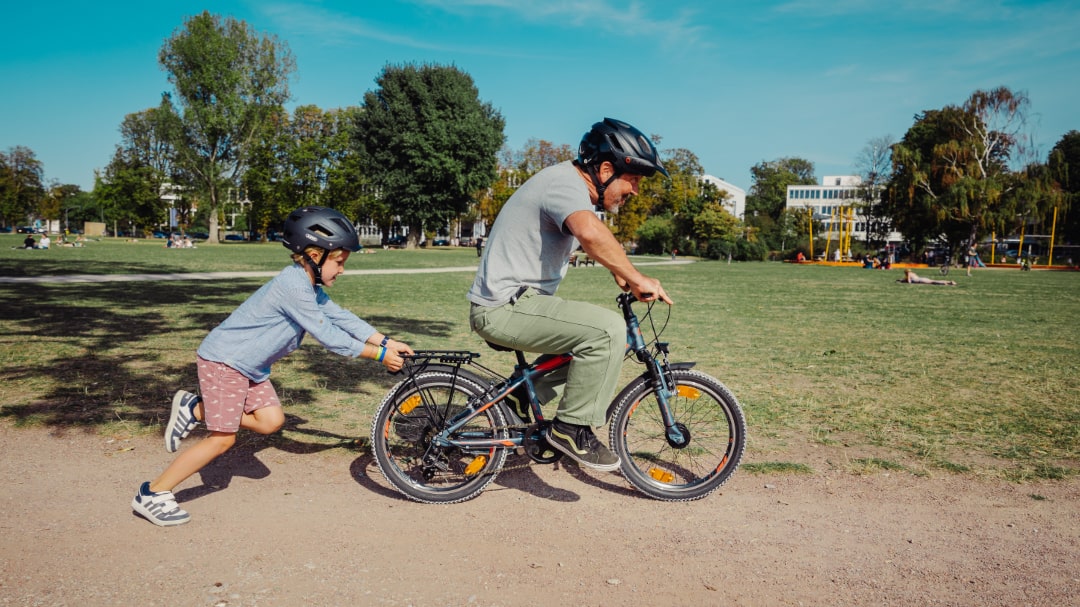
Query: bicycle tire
(711, 414)
(944, 269)
(415, 410)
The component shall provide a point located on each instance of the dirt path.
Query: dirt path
(321, 528)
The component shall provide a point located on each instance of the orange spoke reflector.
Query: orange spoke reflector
(688, 392)
(476, 465)
(409, 404)
(661, 475)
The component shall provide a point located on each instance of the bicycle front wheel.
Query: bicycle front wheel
(944, 269)
(709, 417)
(406, 423)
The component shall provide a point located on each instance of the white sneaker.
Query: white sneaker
(181, 420)
(159, 508)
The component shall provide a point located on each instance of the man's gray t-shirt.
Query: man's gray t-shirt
(529, 244)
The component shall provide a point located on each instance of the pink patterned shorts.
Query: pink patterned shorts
(228, 394)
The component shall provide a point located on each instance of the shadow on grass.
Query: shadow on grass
(62, 266)
(92, 354)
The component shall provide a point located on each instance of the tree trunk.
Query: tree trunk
(212, 218)
(413, 239)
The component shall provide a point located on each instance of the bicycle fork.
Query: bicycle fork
(678, 435)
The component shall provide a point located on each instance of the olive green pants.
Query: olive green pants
(549, 325)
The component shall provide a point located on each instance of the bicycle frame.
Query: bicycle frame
(526, 373)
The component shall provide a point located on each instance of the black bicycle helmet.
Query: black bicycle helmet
(625, 147)
(321, 227)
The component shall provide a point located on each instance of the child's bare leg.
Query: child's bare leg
(193, 459)
(264, 421)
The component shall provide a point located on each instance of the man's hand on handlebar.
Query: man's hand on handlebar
(646, 289)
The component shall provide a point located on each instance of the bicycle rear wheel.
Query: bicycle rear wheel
(417, 410)
(705, 410)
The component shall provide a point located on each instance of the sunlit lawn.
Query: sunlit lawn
(975, 379)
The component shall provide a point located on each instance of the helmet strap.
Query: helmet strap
(594, 172)
(316, 268)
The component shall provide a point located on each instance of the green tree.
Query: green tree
(228, 80)
(21, 187)
(679, 199)
(428, 143)
(767, 198)
(1064, 164)
(129, 193)
(656, 235)
(143, 153)
(951, 177)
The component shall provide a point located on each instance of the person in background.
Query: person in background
(914, 279)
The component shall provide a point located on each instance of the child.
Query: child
(235, 358)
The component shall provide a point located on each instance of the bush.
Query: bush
(739, 250)
(655, 235)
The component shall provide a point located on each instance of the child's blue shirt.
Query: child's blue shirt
(273, 321)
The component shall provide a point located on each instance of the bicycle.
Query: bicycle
(443, 433)
(946, 263)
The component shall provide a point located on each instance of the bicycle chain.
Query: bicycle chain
(528, 460)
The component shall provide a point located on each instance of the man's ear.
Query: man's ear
(605, 171)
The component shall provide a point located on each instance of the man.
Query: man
(526, 257)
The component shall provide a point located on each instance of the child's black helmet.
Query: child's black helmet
(321, 227)
(625, 147)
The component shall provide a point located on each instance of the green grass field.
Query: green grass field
(979, 379)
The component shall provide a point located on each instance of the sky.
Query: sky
(736, 83)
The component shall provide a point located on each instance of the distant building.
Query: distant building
(826, 201)
(735, 203)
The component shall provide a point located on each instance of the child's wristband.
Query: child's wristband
(382, 354)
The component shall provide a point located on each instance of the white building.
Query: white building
(735, 203)
(832, 199)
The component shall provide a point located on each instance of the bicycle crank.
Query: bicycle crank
(537, 447)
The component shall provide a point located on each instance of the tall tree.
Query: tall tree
(767, 197)
(1064, 163)
(951, 172)
(228, 79)
(21, 187)
(143, 153)
(428, 143)
(873, 165)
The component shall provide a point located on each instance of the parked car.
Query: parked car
(440, 242)
(235, 237)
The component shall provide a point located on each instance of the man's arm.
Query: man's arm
(600, 244)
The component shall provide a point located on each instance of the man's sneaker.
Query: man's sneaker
(159, 508)
(581, 444)
(181, 420)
